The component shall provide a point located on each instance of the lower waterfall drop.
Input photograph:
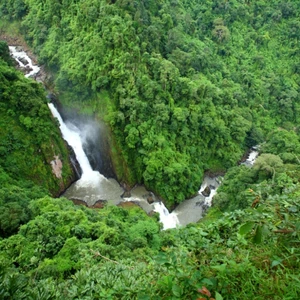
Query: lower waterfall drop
(169, 220)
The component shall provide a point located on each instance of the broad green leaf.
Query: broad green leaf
(218, 296)
(275, 263)
(206, 281)
(220, 268)
(246, 228)
(176, 289)
(257, 239)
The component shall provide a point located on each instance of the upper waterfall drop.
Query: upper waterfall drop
(92, 186)
(72, 136)
(252, 157)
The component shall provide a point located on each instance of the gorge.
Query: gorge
(93, 187)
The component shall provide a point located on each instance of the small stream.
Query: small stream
(93, 187)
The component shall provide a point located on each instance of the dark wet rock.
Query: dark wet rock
(99, 204)
(150, 197)
(200, 203)
(152, 213)
(205, 207)
(43, 77)
(28, 69)
(78, 202)
(23, 60)
(206, 191)
(126, 194)
(75, 164)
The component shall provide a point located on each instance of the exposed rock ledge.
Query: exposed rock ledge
(57, 165)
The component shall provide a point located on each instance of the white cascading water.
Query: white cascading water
(92, 186)
(213, 191)
(72, 135)
(169, 220)
(24, 61)
(252, 157)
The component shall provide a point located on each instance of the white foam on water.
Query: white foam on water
(20, 55)
(169, 220)
(252, 157)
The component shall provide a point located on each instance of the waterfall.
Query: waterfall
(72, 135)
(92, 179)
(169, 220)
(212, 189)
(93, 186)
(251, 158)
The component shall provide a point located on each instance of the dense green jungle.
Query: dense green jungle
(186, 87)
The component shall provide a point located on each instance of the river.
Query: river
(93, 187)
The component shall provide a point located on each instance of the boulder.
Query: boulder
(78, 202)
(206, 191)
(28, 69)
(150, 199)
(212, 187)
(23, 60)
(99, 204)
(200, 203)
(126, 194)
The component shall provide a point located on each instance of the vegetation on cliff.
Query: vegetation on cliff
(29, 137)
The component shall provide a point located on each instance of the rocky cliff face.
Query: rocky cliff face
(31, 145)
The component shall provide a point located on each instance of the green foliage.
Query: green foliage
(14, 201)
(269, 164)
(4, 53)
(121, 254)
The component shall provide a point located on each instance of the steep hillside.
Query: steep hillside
(30, 140)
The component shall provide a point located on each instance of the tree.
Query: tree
(269, 164)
